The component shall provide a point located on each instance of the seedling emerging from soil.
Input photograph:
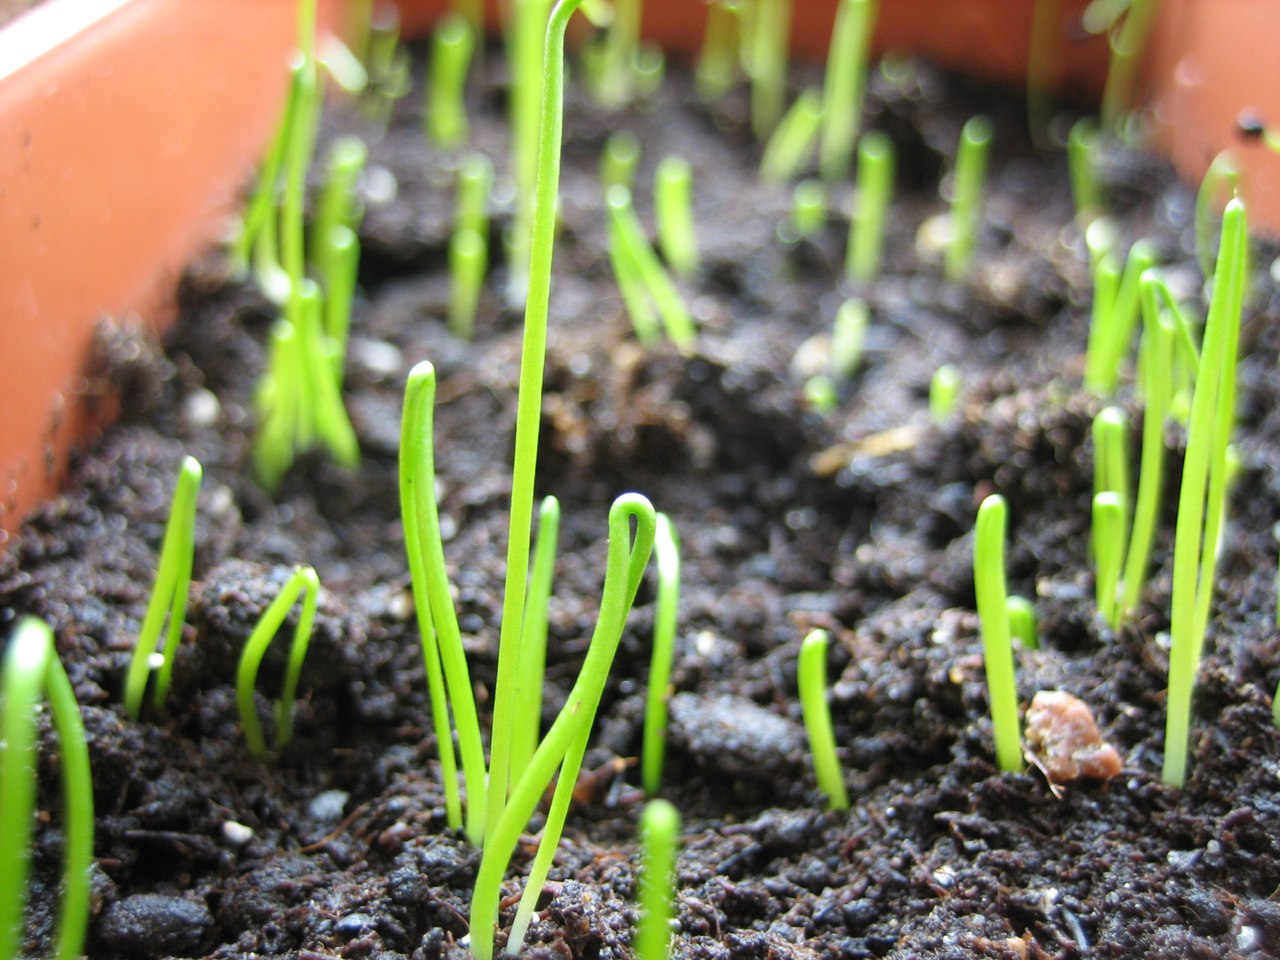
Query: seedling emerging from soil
(1111, 456)
(1127, 42)
(339, 204)
(387, 65)
(1022, 622)
(997, 648)
(811, 676)
(848, 334)
(718, 61)
(944, 392)
(791, 144)
(659, 843)
(843, 85)
(343, 254)
(303, 582)
(1220, 183)
(1108, 552)
(873, 192)
(32, 669)
(808, 207)
(533, 639)
(1114, 317)
(770, 33)
(469, 245)
(1203, 495)
(644, 282)
(610, 62)
(452, 46)
(619, 159)
(966, 196)
(673, 211)
(666, 548)
(821, 395)
(1082, 161)
(168, 595)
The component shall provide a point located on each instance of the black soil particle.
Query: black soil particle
(858, 521)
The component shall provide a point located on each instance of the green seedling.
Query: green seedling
(874, 190)
(168, 596)
(387, 65)
(1022, 622)
(666, 549)
(566, 741)
(769, 53)
(1082, 163)
(843, 85)
(1157, 367)
(808, 208)
(533, 638)
(1115, 317)
(944, 392)
(619, 159)
(475, 183)
(791, 144)
(468, 262)
(997, 646)
(848, 334)
(659, 843)
(339, 203)
(1042, 66)
(452, 46)
(673, 211)
(32, 670)
(811, 676)
(612, 61)
(967, 185)
(718, 62)
(1221, 182)
(1203, 493)
(1111, 454)
(648, 67)
(344, 270)
(441, 638)
(1108, 552)
(306, 584)
(1127, 40)
(821, 394)
(642, 277)
(1100, 238)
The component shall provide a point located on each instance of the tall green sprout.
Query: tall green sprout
(673, 211)
(811, 677)
(769, 55)
(872, 193)
(1203, 494)
(791, 144)
(666, 548)
(659, 842)
(842, 88)
(452, 46)
(967, 184)
(997, 646)
(32, 669)
(1127, 40)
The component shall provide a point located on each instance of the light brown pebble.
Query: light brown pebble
(1063, 740)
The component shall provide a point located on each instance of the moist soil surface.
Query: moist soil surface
(858, 521)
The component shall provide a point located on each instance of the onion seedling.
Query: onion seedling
(619, 159)
(659, 843)
(791, 143)
(32, 669)
(666, 548)
(612, 60)
(642, 277)
(1111, 454)
(821, 395)
(1082, 164)
(387, 65)
(967, 184)
(1221, 182)
(1114, 317)
(168, 595)
(944, 392)
(1022, 622)
(843, 85)
(997, 646)
(811, 676)
(872, 193)
(719, 64)
(1203, 493)
(848, 334)
(1108, 552)
(468, 261)
(1127, 42)
(673, 211)
(769, 49)
(338, 204)
(303, 582)
(343, 255)
(808, 208)
(445, 116)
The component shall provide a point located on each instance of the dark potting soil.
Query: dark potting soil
(858, 521)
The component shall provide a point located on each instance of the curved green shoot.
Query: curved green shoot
(791, 143)
(967, 185)
(1022, 622)
(1157, 367)
(769, 53)
(619, 159)
(808, 208)
(673, 211)
(31, 668)
(872, 194)
(529, 401)
(666, 548)
(445, 117)
(944, 392)
(1108, 552)
(659, 843)
(565, 743)
(303, 582)
(997, 646)
(168, 595)
(811, 677)
(533, 640)
(339, 204)
(1203, 493)
(1082, 164)
(641, 276)
(442, 652)
(843, 84)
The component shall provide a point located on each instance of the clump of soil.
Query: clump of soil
(858, 521)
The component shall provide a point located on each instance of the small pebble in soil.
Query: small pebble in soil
(735, 735)
(151, 925)
(236, 834)
(1063, 740)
